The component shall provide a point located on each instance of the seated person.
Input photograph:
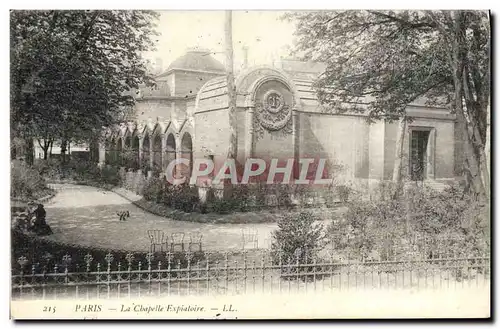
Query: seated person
(40, 225)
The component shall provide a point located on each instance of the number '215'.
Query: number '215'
(50, 309)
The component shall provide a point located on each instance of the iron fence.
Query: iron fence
(258, 271)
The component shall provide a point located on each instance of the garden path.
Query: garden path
(87, 216)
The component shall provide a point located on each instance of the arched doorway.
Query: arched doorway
(135, 152)
(157, 153)
(128, 155)
(145, 154)
(119, 152)
(187, 153)
(170, 152)
(108, 154)
(113, 155)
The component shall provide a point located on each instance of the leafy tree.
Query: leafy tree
(388, 59)
(72, 71)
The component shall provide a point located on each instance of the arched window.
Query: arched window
(157, 166)
(119, 152)
(170, 152)
(145, 154)
(187, 153)
(135, 152)
(127, 153)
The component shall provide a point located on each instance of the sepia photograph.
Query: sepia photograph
(250, 164)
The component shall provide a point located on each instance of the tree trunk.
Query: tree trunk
(474, 167)
(483, 167)
(397, 175)
(231, 93)
(487, 143)
(231, 89)
(45, 147)
(64, 144)
(474, 110)
(457, 61)
(29, 150)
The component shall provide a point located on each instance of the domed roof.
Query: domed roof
(197, 60)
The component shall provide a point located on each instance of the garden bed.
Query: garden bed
(41, 197)
(250, 217)
(232, 218)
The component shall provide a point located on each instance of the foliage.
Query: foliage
(130, 159)
(298, 238)
(422, 222)
(343, 192)
(254, 197)
(185, 197)
(71, 71)
(152, 190)
(77, 170)
(110, 175)
(380, 61)
(182, 197)
(26, 182)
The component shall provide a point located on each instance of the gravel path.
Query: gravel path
(87, 215)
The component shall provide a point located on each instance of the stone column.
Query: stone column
(164, 161)
(102, 153)
(141, 140)
(122, 156)
(151, 152)
(249, 132)
(178, 155)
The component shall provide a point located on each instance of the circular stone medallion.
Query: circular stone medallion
(273, 101)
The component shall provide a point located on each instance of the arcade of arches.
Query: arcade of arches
(150, 152)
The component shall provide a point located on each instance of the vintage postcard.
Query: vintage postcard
(327, 164)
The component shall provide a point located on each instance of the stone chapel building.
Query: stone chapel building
(279, 116)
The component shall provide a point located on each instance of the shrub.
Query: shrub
(50, 168)
(220, 206)
(153, 189)
(185, 197)
(237, 198)
(82, 170)
(343, 192)
(110, 175)
(298, 238)
(421, 223)
(182, 197)
(26, 182)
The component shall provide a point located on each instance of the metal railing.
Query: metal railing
(253, 271)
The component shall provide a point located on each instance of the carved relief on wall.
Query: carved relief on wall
(273, 114)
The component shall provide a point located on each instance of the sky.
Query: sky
(266, 36)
